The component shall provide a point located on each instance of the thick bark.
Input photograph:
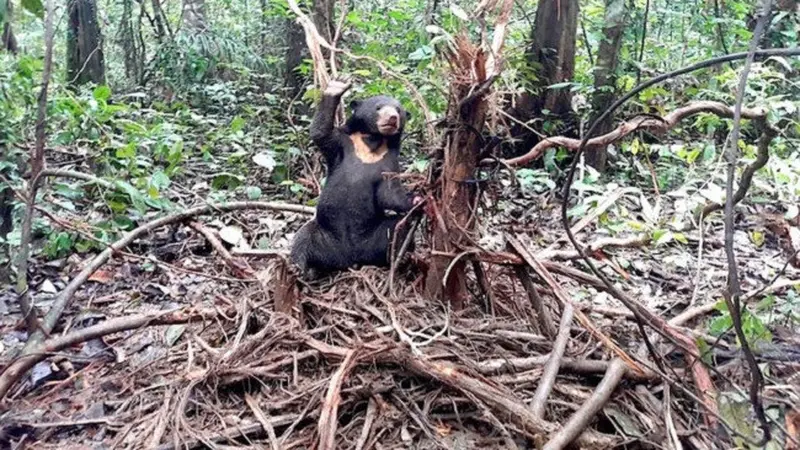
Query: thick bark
(193, 16)
(6, 208)
(84, 44)
(127, 40)
(322, 14)
(159, 20)
(551, 57)
(296, 51)
(454, 226)
(605, 74)
(8, 41)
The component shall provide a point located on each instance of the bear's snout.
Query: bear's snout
(388, 120)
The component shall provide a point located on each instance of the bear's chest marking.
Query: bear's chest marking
(364, 153)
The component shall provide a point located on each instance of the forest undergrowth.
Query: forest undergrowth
(165, 211)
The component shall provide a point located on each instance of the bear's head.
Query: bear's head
(377, 115)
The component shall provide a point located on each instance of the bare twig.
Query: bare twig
(240, 268)
(63, 299)
(580, 420)
(545, 321)
(553, 363)
(459, 378)
(161, 422)
(263, 420)
(369, 419)
(14, 371)
(645, 123)
(562, 297)
(734, 290)
(37, 162)
(328, 418)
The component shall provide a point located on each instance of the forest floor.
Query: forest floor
(372, 364)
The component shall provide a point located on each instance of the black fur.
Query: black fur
(351, 226)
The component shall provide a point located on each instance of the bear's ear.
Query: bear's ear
(355, 104)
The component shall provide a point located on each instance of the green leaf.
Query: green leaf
(253, 192)
(662, 236)
(3, 11)
(159, 180)
(127, 152)
(237, 124)
(102, 93)
(226, 180)
(35, 7)
(757, 238)
(560, 85)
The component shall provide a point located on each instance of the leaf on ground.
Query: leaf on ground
(174, 332)
(231, 234)
(101, 276)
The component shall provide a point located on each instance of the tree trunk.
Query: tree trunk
(322, 14)
(8, 41)
(454, 228)
(6, 225)
(295, 53)
(193, 16)
(84, 44)
(159, 20)
(127, 40)
(605, 77)
(552, 57)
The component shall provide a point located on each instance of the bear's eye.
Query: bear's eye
(378, 108)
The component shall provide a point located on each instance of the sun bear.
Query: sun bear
(351, 226)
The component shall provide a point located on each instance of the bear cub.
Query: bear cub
(351, 226)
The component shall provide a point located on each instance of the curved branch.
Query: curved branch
(14, 371)
(701, 377)
(62, 173)
(63, 299)
(580, 420)
(646, 123)
(767, 135)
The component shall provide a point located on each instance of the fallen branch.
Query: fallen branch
(562, 297)
(329, 418)
(37, 163)
(733, 292)
(369, 419)
(62, 300)
(263, 420)
(596, 246)
(19, 366)
(647, 123)
(701, 376)
(230, 434)
(496, 397)
(768, 133)
(568, 365)
(240, 268)
(63, 173)
(581, 418)
(544, 320)
(553, 363)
